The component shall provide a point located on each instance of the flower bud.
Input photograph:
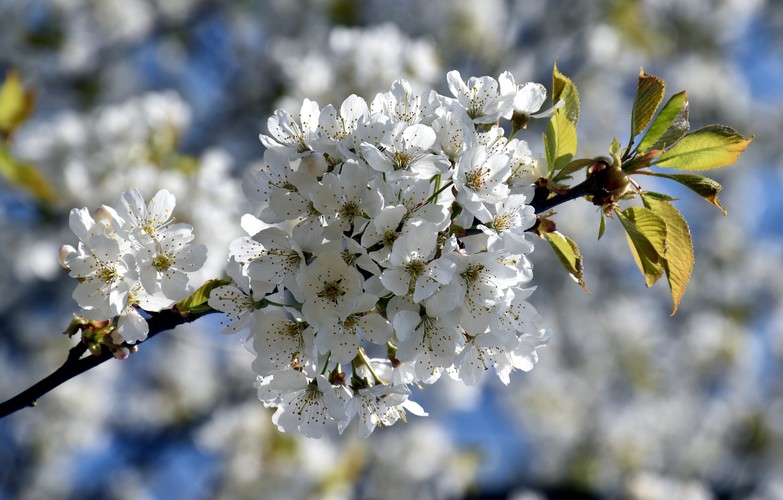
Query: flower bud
(64, 255)
(121, 353)
(103, 214)
(611, 180)
(313, 163)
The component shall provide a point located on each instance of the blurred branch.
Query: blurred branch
(75, 364)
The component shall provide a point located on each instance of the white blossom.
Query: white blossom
(402, 225)
(130, 259)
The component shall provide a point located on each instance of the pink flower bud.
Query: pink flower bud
(121, 353)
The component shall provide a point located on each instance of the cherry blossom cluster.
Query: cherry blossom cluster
(388, 248)
(131, 258)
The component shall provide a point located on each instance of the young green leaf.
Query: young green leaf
(669, 126)
(27, 177)
(568, 254)
(559, 142)
(649, 94)
(573, 166)
(601, 226)
(678, 263)
(657, 196)
(563, 88)
(703, 186)
(197, 302)
(16, 103)
(640, 161)
(614, 147)
(646, 234)
(711, 147)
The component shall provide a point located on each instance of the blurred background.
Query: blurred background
(626, 401)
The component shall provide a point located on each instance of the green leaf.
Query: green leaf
(669, 126)
(657, 196)
(646, 234)
(16, 103)
(568, 254)
(573, 166)
(649, 94)
(614, 147)
(197, 302)
(563, 88)
(559, 142)
(711, 147)
(678, 263)
(703, 186)
(601, 226)
(27, 177)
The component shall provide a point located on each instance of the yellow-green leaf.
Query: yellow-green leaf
(614, 147)
(649, 94)
(657, 196)
(27, 177)
(559, 142)
(601, 226)
(669, 126)
(703, 186)
(646, 234)
(568, 254)
(16, 103)
(197, 302)
(711, 147)
(573, 166)
(565, 89)
(679, 248)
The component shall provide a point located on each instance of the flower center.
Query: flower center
(475, 179)
(349, 210)
(415, 268)
(332, 290)
(350, 322)
(108, 274)
(501, 222)
(162, 262)
(348, 257)
(472, 273)
(401, 160)
(389, 237)
(291, 329)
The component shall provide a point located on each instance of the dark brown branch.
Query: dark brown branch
(592, 186)
(75, 364)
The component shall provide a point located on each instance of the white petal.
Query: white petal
(375, 328)
(396, 281)
(405, 322)
(192, 257)
(174, 285)
(418, 138)
(161, 207)
(132, 327)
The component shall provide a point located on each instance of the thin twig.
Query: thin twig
(75, 364)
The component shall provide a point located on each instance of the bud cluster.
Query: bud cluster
(388, 248)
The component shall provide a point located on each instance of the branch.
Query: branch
(594, 185)
(548, 203)
(75, 364)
